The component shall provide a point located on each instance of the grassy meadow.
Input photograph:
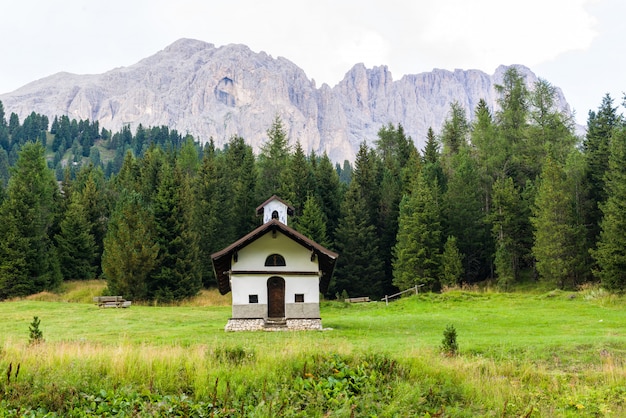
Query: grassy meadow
(520, 354)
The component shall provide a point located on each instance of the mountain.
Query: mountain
(207, 91)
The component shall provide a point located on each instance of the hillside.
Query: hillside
(195, 87)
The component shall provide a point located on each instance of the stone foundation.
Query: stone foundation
(258, 324)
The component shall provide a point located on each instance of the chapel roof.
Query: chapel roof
(222, 259)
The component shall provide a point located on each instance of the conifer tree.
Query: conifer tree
(239, 182)
(28, 220)
(272, 160)
(417, 251)
(297, 181)
(329, 193)
(311, 223)
(596, 145)
(130, 247)
(359, 269)
(610, 254)
(76, 245)
(507, 218)
(556, 234)
(455, 130)
(208, 217)
(464, 214)
(175, 275)
(451, 263)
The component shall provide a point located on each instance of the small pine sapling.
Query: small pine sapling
(449, 346)
(36, 336)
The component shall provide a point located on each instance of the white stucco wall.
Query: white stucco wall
(244, 285)
(252, 259)
(297, 257)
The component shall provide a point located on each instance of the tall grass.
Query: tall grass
(550, 354)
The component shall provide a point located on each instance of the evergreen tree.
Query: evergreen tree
(451, 263)
(208, 217)
(600, 128)
(76, 244)
(4, 130)
(512, 121)
(490, 151)
(93, 195)
(432, 160)
(175, 275)
(273, 160)
(359, 269)
(328, 190)
(417, 251)
(130, 247)
(455, 130)
(311, 224)
(610, 254)
(28, 221)
(297, 181)
(464, 214)
(239, 183)
(556, 233)
(395, 150)
(507, 219)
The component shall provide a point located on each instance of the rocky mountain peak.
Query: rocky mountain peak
(217, 92)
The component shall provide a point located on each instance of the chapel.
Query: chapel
(275, 274)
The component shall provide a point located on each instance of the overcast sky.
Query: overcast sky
(577, 45)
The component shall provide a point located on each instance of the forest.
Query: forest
(512, 196)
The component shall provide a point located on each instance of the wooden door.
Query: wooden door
(276, 297)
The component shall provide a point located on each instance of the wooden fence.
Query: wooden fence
(413, 289)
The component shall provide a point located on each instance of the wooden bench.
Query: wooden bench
(112, 302)
(358, 300)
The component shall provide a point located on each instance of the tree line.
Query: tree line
(512, 196)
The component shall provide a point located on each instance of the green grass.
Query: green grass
(520, 354)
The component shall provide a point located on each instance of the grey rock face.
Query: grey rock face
(196, 88)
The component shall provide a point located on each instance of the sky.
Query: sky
(577, 45)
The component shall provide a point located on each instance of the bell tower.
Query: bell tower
(275, 208)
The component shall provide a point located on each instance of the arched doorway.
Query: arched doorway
(276, 297)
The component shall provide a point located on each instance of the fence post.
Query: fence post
(386, 300)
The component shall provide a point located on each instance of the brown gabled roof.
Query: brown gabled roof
(290, 209)
(222, 259)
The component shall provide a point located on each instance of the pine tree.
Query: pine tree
(610, 254)
(76, 245)
(359, 268)
(297, 181)
(507, 218)
(273, 160)
(208, 217)
(464, 214)
(418, 248)
(239, 184)
(455, 130)
(311, 223)
(130, 247)
(175, 275)
(328, 190)
(28, 221)
(451, 263)
(600, 128)
(556, 233)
